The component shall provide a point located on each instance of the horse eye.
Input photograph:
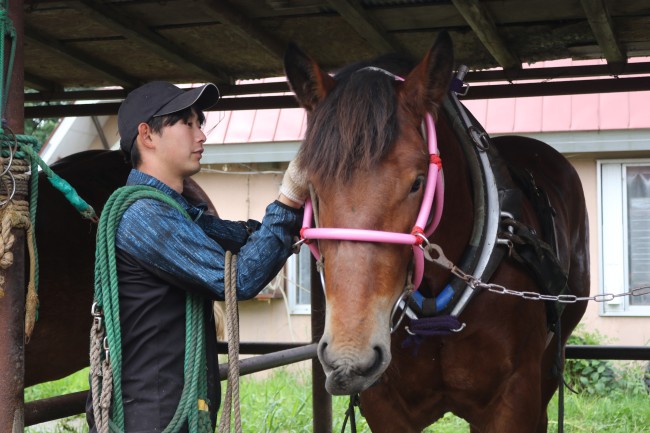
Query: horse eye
(417, 184)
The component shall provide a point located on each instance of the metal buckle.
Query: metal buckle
(98, 314)
(479, 137)
(403, 297)
(107, 351)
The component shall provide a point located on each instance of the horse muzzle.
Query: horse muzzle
(349, 371)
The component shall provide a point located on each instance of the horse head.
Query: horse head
(367, 159)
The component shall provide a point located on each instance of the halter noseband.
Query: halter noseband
(419, 234)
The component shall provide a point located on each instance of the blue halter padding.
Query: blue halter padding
(442, 300)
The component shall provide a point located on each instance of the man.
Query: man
(161, 254)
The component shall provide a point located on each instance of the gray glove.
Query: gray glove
(295, 185)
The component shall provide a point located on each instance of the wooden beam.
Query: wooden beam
(546, 74)
(601, 24)
(556, 88)
(110, 108)
(561, 72)
(80, 59)
(491, 91)
(138, 32)
(48, 95)
(244, 26)
(360, 20)
(76, 95)
(478, 18)
(41, 84)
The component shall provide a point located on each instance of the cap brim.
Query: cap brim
(203, 97)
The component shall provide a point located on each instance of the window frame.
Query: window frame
(613, 246)
(295, 280)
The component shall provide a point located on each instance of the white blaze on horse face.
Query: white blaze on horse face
(355, 347)
(363, 281)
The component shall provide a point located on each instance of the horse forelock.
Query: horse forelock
(354, 127)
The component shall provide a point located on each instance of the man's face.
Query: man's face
(179, 147)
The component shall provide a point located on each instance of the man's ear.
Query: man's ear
(144, 135)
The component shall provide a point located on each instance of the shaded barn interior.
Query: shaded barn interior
(91, 49)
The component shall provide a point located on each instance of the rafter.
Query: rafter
(244, 26)
(80, 59)
(601, 24)
(478, 18)
(136, 31)
(490, 91)
(369, 29)
(547, 74)
(41, 84)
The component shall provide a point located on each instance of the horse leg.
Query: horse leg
(579, 284)
(385, 411)
(517, 409)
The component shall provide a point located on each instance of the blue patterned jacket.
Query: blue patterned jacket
(160, 255)
(194, 252)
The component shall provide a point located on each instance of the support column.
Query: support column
(321, 399)
(12, 303)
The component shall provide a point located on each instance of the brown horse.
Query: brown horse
(59, 344)
(366, 158)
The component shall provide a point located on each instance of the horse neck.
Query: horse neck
(454, 231)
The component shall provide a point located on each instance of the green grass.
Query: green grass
(73, 383)
(282, 403)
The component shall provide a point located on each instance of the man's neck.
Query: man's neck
(174, 182)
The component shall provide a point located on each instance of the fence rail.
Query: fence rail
(272, 355)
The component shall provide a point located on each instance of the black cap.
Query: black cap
(159, 98)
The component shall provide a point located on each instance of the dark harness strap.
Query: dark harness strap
(510, 200)
(538, 254)
(514, 185)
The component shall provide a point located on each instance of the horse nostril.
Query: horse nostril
(379, 353)
(322, 349)
(376, 362)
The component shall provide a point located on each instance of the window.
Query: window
(624, 210)
(299, 282)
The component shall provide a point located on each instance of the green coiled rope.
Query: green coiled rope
(7, 31)
(57, 182)
(23, 147)
(192, 406)
(26, 147)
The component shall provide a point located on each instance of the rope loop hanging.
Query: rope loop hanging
(19, 178)
(231, 403)
(106, 338)
(16, 184)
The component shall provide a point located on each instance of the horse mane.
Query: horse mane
(354, 127)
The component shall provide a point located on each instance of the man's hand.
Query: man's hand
(295, 186)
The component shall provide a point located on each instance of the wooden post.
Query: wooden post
(321, 399)
(12, 304)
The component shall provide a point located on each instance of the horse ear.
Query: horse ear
(307, 80)
(428, 83)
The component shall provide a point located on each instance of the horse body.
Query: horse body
(59, 344)
(366, 158)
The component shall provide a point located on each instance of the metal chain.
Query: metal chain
(441, 260)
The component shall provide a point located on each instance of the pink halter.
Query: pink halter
(418, 236)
